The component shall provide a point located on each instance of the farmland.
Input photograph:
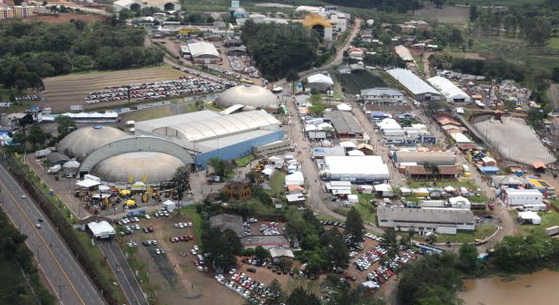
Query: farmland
(354, 83)
(63, 91)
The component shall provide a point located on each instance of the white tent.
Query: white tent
(385, 189)
(347, 144)
(87, 183)
(267, 171)
(170, 205)
(355, 152)
(449, 189)
(104, 188)
(353, 198)
(138, 186)
(296, 178)
(71, 164)
(460, 202)
(531, 217)
(343, 107)
(101, 229)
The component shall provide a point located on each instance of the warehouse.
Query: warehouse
(367, 169)
(421, 158)
(169, 143)
(203, 52)
(442, 221)
(515, 197)
(345, 124)
(382, 96)
(451, 92)
(418, 88)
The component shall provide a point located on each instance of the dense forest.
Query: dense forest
(16, 259)
(534, 23)
(278, 49)
(31, 51)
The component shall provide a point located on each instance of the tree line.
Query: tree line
(400, 6)
(278, 49)
(15, 258)
(31, 51)
(533, 23)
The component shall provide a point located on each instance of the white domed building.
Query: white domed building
(83, 141)
(251, 97)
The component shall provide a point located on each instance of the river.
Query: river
(538, 288)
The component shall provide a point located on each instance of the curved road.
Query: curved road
(67, 279)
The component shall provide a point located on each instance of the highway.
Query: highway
(124, 273)
(68, 280)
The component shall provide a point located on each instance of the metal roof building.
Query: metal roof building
(202, 48)
(434, 157)
(451, 92)
(382, 95)
(251, 97)
(444, 221)
(345, 123)
(420, 90)
(355, 168)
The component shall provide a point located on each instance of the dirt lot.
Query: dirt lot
(63, 91)
(174, 277)
(64, 18)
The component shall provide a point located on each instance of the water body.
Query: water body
(538, 288)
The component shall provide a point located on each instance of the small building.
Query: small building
(419, 172)
(320, 82)
(459, 202)
(296, 198)
(237, 51)
(281, 253)
(515, 197)
(228, 221)
(101, 229)
(321, 152)
(203, 52)
(368, 169)
(442, 221)
(510, 181)
(238, 190)
(320, 24)
(382, 96)
(529, 217)
(345, 124)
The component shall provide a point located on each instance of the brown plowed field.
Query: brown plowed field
(63, 91)
(64, 18)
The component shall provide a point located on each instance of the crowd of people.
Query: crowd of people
(184, 86)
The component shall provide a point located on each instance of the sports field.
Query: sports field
(63, 91)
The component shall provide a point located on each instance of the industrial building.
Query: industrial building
(421, 158)
(437, 220)
(250, 97)
(158, 147)
(382, 96)
(367, 169)
(418, 88)
(518, 197)
(201, 52)
(450, 91)
(345, 124)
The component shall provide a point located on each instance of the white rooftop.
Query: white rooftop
(321, 79)
(202, 48)
(411, 81)
(448, 88)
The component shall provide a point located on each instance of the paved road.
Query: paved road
(123, 273)
(69, 282)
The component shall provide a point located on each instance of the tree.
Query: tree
(276, 294)
(355, 229)
(390, 242)
(467, 258)
(37, 137)
(65, 125)
(432, 168)
(261, 253)
(300, 296)
(334, 248)
(221, 168)
(474, 13)
(182, 183)
(292, 76)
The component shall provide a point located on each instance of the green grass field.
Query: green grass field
(354, 83)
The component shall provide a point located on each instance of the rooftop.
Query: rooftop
(440, 216)
(381, 91)
(411, 81)
(344, 122)
(202, 48)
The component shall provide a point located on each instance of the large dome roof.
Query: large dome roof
(83, 141)
(253, 97)
(151, 167)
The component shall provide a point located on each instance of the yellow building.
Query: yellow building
(6, 12)
(23, 11)
(320, 24)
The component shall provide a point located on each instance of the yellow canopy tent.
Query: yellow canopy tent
(130, 202)
(125, 192)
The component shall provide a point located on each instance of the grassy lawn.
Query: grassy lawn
(365, 209)
(467, 237)
(244, 161)
(277, 182)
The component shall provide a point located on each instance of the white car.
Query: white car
(23, 196)
(195, 248)
(157, 251)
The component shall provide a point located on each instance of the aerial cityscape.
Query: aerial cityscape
(317, 152)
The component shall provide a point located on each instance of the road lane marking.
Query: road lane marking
(40, 236)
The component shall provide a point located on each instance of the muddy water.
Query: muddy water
(538, 288)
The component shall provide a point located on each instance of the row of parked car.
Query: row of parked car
(385, 271)
(183, 225)
(176, 239)
(366, 260)
(252, 290)
(333, 223)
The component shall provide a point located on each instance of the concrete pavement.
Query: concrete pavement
(61, 269)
